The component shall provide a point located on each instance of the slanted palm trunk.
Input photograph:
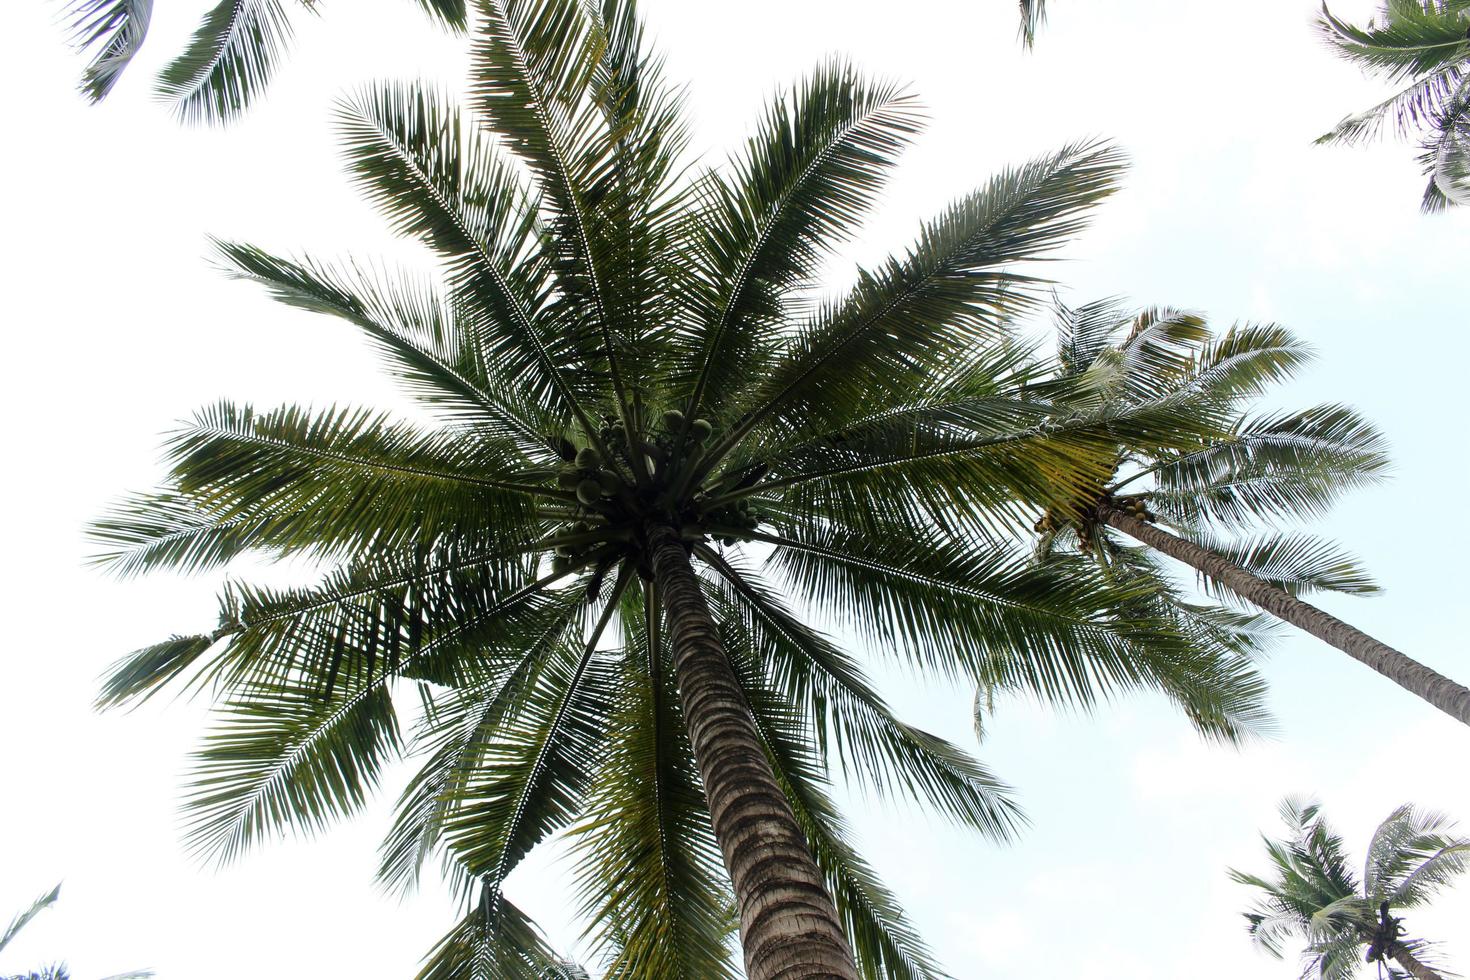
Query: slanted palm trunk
(1415, 969)
(788, 925)
(1451, 698)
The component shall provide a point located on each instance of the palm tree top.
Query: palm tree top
(1315, 893)
(633, 363)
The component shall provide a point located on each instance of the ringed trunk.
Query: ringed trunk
(788, 924)
(1446, 695)
(1413, 967)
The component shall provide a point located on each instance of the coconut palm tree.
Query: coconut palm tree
(227, 63)
(57, 971)
(1244, 471)
(1423, 45)
(659, 457)
(1313, 893)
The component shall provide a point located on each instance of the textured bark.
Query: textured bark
(1446, 695)
(788, 926)
(1418, 970)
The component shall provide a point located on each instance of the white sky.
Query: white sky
(115, 326)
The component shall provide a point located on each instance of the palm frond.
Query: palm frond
(807, 176)
(649, 869)
(530, 780)
(1412, 42)
(1296, 563)
(1290, 464)
(917, 314)
(117, 29)
(875, 748)
(419, 331)
(227, 63)
(494, 941)
(23, 918)
(885, 945)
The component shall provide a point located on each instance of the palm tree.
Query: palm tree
(1424, 45)
(1314, 894)
(57, 971)
(640, 398)
(227, 63)
(1243, 471)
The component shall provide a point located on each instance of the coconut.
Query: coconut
(564, 551)
(673, 419)
(587, 458)
(561, 563)
(589, 491)
(701, 430)
(568, 477)
(609, 482)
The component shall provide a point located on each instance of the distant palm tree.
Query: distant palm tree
(56, 971)
(641, 399)
(226, 64)
(1313, 894)
(1243, 471)
(1425, 46)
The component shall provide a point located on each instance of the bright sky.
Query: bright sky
(117, 327)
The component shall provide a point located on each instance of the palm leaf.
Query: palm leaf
(228, 61)
(117, 28)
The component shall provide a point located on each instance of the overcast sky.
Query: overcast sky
(115, 326)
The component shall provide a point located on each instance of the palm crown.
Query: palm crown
(1313, 892)
(634, 371)
(1246, 471)
(1425, 46)
(1228, 470)
(1243, 470)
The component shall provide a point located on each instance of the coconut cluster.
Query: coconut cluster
(1135, 507)
(610, 511)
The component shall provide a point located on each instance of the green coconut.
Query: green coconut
(587, 458)
(673, 419)
(701, 430)
(589, 491)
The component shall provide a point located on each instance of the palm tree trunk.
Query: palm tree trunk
(1418, 970)
(788, 925)
(1451, 698)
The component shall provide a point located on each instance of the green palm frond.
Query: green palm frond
(288, 757)
(1425, 47)
(1295, 563)
(530, 780)
(1408, 41)
(1285, 464)
(649, 867)
(884, 943)
(917, 314)
(494, 941)
(874, 748)
(1033, 16)
(117, 29)
(418, 331)
(453, 14)
(23, 918)
(228, 62)
(807, 176)
(463, 726)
